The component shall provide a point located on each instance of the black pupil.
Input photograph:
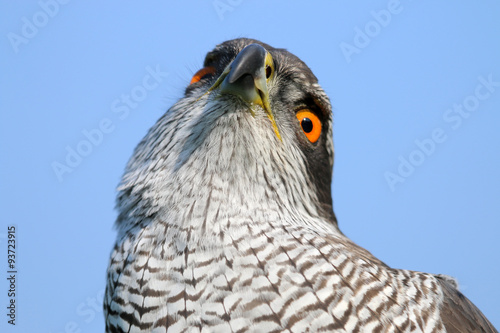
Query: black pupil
(268, 71)
(307, 125)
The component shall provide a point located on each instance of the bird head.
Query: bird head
(253, 130)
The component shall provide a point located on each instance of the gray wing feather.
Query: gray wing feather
(459, 314)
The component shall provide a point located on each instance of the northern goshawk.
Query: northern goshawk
(226, 222)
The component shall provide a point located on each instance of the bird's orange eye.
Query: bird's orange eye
(310, 124)
(202, 73)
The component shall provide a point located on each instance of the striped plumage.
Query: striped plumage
(225, 227)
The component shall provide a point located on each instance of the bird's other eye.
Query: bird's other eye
(269, 71)
(203, 73)
(310, 124)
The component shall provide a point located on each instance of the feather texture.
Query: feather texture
(224, 227)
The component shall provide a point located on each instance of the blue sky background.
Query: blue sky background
(393, 82)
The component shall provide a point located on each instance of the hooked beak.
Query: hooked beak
(246, 77)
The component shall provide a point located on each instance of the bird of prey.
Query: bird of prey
(226, 223)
